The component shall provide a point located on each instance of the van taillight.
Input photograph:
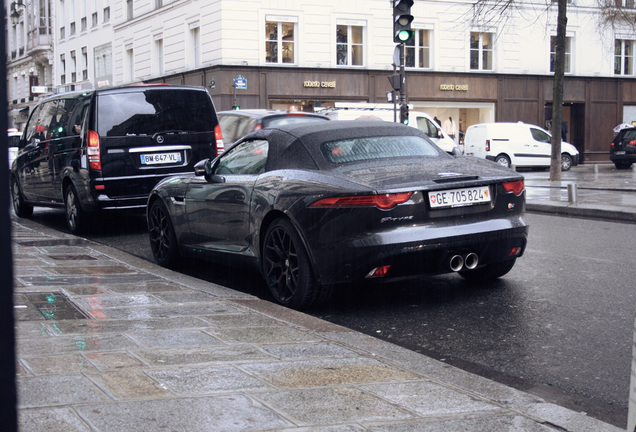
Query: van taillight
(92, 151)
(487, 145)
(218, 135)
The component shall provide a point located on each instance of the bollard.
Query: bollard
(514, 167)
(572, 193)
(595, 169)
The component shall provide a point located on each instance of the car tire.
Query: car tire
(20, 207)
(566, 162)
(503, 160)
(163, 240)
(75, 215)
(622, 165)
(286, 268)
(489, 272)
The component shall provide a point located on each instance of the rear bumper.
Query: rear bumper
(421, 250)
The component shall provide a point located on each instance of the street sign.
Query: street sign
(240, 82)
(40, 89)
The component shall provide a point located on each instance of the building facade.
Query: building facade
(29, 44)
(466, 63)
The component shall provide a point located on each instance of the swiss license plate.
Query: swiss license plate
(459, 197)
(160, 158)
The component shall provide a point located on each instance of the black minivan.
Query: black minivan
(106, 149)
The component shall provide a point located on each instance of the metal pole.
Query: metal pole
(402, 83)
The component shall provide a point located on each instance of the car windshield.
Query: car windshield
(384, 147)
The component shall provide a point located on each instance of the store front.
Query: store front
(591, 109)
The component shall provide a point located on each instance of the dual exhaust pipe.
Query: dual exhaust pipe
(466, 262)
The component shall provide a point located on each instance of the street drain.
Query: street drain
(55, 306)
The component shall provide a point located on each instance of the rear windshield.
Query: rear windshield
(150, 111)
(629, 135)
(279, 121)
(367, 148)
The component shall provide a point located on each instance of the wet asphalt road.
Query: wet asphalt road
(559, 325)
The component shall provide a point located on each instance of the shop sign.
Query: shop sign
(453, 87)
(319, 84)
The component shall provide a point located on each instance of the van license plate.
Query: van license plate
(160, 158)
(459, 197)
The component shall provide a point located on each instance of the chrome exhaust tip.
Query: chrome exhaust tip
(456, 263)
(471, 261)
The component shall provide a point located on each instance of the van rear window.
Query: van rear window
(150, 111)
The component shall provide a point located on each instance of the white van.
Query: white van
(13, 139)
(384, 111)
(519, 144)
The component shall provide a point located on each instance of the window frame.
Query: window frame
(280, 41)
(481, 51)
(623, 56)
(568, 53)
(417, 49)
(350, 44)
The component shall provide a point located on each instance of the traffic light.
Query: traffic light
(236, 107)
(396, 81)
(404, 114)
(402, 19)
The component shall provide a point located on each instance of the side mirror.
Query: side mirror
(203, 167)
(206, 168)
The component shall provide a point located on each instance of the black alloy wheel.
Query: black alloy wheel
(163, 240)
(75, 215)
(20, 207)
(286, 267)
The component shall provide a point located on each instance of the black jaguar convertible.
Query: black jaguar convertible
(320, 204)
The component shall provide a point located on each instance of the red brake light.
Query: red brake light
(296, 114)
(218, 136)
(515, 187)
(92, 151)
(258, 127)
(632, 143)
(383, 201)
(487, 145)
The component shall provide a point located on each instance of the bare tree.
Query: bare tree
(557, 92)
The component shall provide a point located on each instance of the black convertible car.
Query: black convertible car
(319, 204)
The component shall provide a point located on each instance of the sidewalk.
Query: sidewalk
(109, 342)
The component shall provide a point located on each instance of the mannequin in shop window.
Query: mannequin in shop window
(450, 127)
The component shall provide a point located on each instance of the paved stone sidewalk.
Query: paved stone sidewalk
(109, 342)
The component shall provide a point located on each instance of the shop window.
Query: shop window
(418, 50)
(624, 57)
(481, 51)
(349, 45)
(280, 42)
(568, 53)
(627, 4)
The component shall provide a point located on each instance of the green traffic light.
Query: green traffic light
(404, 35)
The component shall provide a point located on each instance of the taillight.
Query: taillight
(516, 187)
(218, 136)
(487, 145)
(92, 151)
(258, 127)
(383, 201)
(632, 143)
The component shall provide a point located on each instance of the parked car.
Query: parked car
(519, 144)
(13, 139)
(623, 148)
(314, 205)
(106, 149)
(238, 123)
